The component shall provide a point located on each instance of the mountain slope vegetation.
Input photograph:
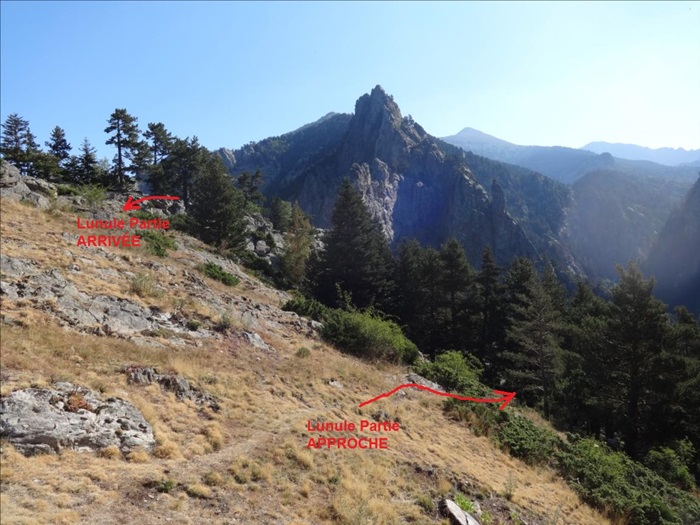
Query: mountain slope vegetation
(248, 461)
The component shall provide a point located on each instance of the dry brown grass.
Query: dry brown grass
(250, 458)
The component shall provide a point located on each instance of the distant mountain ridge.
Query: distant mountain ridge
(666, 156)
(561, 163)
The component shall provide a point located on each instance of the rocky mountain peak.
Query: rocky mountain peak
(379, 131)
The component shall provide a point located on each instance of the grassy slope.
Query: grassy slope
(248, 462)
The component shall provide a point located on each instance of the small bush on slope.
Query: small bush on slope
(364, 334)
(216, 272)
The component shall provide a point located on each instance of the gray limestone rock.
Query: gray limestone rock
(455, 514)
(420, 380)
(178, 385)
(43, 420)
(257, 341)
(29, 189)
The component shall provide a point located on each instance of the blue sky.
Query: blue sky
(233, 72)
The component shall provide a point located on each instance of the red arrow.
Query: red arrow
(506, 397)
(131, 204)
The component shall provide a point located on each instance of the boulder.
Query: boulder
(455, 514)
(420, 380)
(48, 420)
(9, 175)
(16, 187)
(262, 248)
(255, 340)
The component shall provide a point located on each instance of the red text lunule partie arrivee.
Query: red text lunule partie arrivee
(125, 240)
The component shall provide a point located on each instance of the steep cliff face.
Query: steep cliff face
(675, 257)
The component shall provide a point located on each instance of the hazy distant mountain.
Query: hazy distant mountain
(667, 156)
(675, 257)
(616, 216)
(560, 163)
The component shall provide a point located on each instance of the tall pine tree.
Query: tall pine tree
(217, 207)
(58, 146)
(535, 354)
(356, 258)
(492, 322)
(125, 137)
(299, 241)
(457, 282)
(19, 145)
(637, 329)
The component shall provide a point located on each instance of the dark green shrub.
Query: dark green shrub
(193, 324)
(184, 223)
(260, 266)
(668, 464)
(451, 371)
(224, 323)
(613, 482)
(94, 195)
(67, 189)
(307, 308)
(158, 243)
(365, 334)
(166, 486)
(144, 215)
(525, 440)
(216, 272)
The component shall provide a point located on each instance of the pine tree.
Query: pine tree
(250, 186)
(281, 214)
(492, 313)
(535, 356)
(457, 282)
(433, 317)
(180, 168)
(637, 330)
(141, 158)
(584, 403)
(217, 207)
(87, 166)
(160, 141)
(356, 258)
(19, 145)
(45, 166)
(125, 137)
(554, 288)
(299, 243)
(409, 301)
(58, 146)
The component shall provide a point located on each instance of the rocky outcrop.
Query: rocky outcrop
(28, 189)
(50, 290)
(263, 241)
(181, 387)
(455, 514)
(420, 380)
(48, 420)
(410, 184)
